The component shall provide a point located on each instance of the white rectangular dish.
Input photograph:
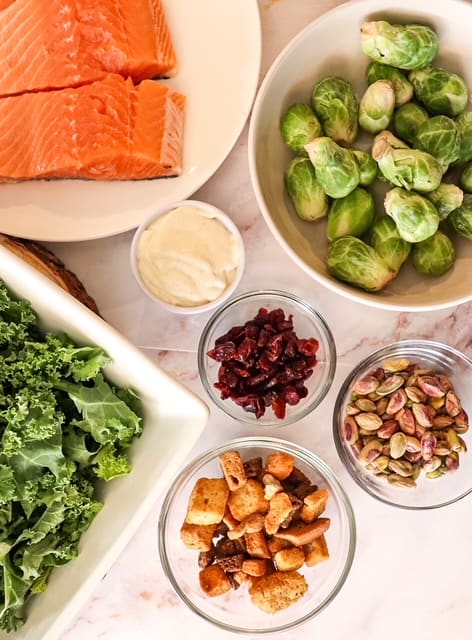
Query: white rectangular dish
(173, 420)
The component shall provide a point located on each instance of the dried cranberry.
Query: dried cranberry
(263, 363)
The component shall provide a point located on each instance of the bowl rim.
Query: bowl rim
(330, 283)
(219, 215)
(370, 360)
(301, 452)
(323, 328)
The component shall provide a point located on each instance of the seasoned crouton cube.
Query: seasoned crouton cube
(214, 581)
(241, 577)
(251, 524)
(255, 567)
(316, 551)
(233, 469)
(256, 545)
(289, 559)
(314, 504)
(278, 591)
(208, 501)
(271, 485)
(280, 464)
(247, 500)
(276, 544)
(301, 533)
(229, 521)
(197, 536)
(280, 506)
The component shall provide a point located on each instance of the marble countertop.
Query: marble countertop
(411, 572)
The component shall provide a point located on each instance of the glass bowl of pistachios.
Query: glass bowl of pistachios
(400, 424)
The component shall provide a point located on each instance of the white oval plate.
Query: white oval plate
(218, 44)
(331, 46)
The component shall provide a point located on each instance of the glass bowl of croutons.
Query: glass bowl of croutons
(257, 535)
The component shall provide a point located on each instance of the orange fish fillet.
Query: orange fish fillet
(47, 44)
(106, 130)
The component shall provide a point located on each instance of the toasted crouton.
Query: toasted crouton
(255, 567)
(276, 544)
(251, 524)
(207, 501)
(256, 545)
(247, 500)
(280, 464)
(289, 559)
(233, 469)
(300, 533)
(214, 581)
(316, 551)
(271, 485)
(314, 504)
(280, 506)
(197, 536)
(278, 591)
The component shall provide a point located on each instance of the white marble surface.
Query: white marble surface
(411, 572)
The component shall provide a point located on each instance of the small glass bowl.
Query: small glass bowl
(429, 493)
(234, 610)
(308, 323)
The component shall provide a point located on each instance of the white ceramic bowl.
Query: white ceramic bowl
(212, 211)
(331, 46)
(173, 420)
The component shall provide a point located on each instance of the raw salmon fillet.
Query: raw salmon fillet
(106, 130)
(48, 44)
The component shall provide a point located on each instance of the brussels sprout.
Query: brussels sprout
(442, 92)
(354, 261)
(405, 167)
(464, 125)
(440, 137)
(389, 244)
(335, 103)
(376, 106)
(336, 168)
(367, 167)
(401, 84)
(415, 216)
(299, 126)
(434, 256)
(408, 119)
(410, 46)
(445, 198)
(308, 198)
(466, 178)
(461, 219)
(352, 215)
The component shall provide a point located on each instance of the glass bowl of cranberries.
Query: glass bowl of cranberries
(267, 358)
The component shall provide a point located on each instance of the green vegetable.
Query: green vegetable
(464, 126)
(442, 92)
(352, 215)
(376, 106)
(410, 46)
(408, 119)
(335, 103)
(62, 427)
(415, 216)
(308, 198)
(405, 167)
(440, 137)
(388, 243)
(461, 219)
(299, 126)
(367, 167)
(445, 198)
(336, 168)
(352, 260)
(466, 178)
(434, 256)
(403, 87)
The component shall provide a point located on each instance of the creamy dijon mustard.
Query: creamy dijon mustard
(187, 257)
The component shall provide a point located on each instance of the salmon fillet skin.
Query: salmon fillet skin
(109, 129)
(51, 44)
